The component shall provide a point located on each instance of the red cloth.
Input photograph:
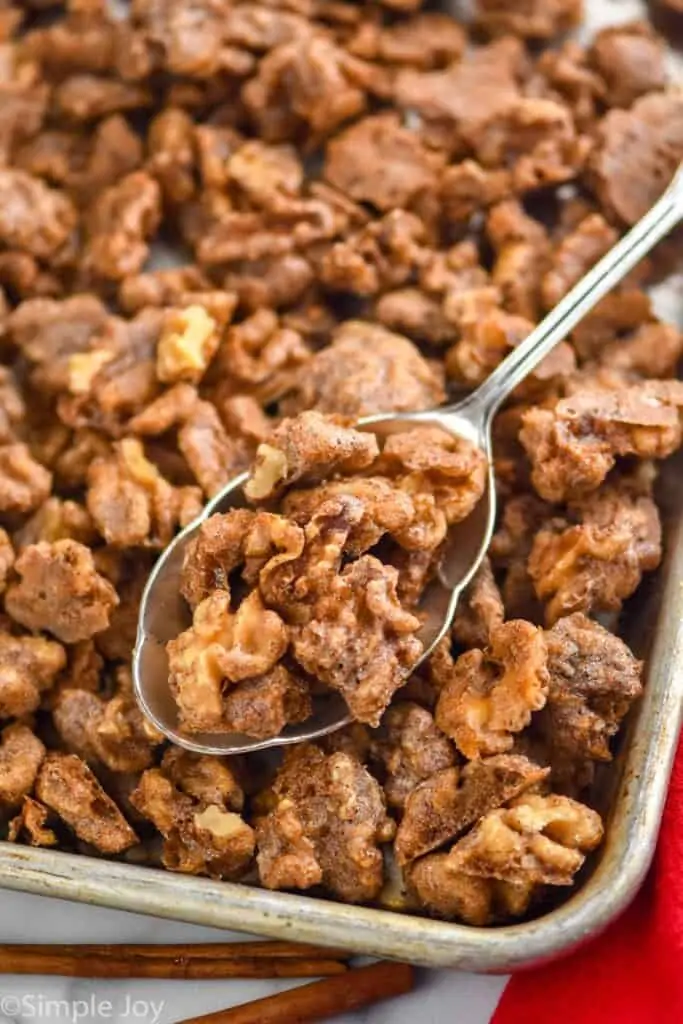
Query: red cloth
(633, 972)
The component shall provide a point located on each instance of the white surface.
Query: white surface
(443, 997)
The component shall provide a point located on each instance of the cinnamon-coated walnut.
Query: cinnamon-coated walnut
(66, 785)
(573, 446)
(29, 666)
(326, 827)
(480, 610)
(359, 639)
(451, 800)
(594, 559)
(491, 694)
(594, 680)
(222, 648)
(201, 835)
(538, 839)
(411, 749)
(31, 824)
(131, 503)
(24, 483)
(60, 591)
(21, 755)
(427, 460)
(366, 369)
(307, 447)
(187, 344)
(7, 557)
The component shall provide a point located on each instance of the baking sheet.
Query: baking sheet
(634, 790)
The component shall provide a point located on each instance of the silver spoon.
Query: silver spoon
(164, 613)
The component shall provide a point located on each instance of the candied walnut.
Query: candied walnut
(201, 836)
(119, 224)
(56, 520)
(84, 97)
(649, 350)
(465, 96)
(576, 254)
(73, 463)
(631, 60)
(211, 556)
(492, 693)
(211, 780)
(636, 154)
(366, 369)
(213, 456)
(451, 800)
(112, 732)
(412, 749)
(426, 41)
(262, 707)
(33, 217)
(168, 286)
(530, 19)
(467, 187)
(446, 892)
(50, 331)
(6, 558)
(326, 827)
(171, 149)
(31, 822)
(429, 461)
(537, 139)
(381, 254)
(480, 610)
(303, 85)
(221, 648)
(60, 591)
(522, 255)
(573, 446)
(538, 840)
(420, 316)
(522, 517)
(24, 483)
(595, 558)
(21, 755)
(132, 504)
(387, 509)
(187, 344)
(379, 161)
(308, 447)
(594, 680)
(484, 342)
(29, 665)
(66, 785)
(111, 384)
(261, 356)
(12, 406)
(360, 640)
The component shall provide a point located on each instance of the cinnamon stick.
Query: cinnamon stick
(76, 964)
(269, 950)
(321, 1000)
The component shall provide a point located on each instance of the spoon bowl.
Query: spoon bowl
(164, 613)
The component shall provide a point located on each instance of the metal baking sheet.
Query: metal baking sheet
(632, 793)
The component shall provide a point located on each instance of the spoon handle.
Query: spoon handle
(607, 273)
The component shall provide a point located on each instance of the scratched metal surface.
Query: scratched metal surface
(633, 795)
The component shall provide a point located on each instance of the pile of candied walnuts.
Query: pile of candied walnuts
(370, 205)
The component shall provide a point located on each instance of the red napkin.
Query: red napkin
(633, 972)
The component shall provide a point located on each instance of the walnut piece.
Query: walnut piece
(411, 750)
(29, 665)
(66, 785)
(451, 800)
(188, 342)
(221, 648)
(491, 694)
(21, 755)
(326, 827)
(60, 591)
(307, 447)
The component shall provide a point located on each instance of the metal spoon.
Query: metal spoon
(164, 613)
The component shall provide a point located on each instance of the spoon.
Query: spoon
(164, 613)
